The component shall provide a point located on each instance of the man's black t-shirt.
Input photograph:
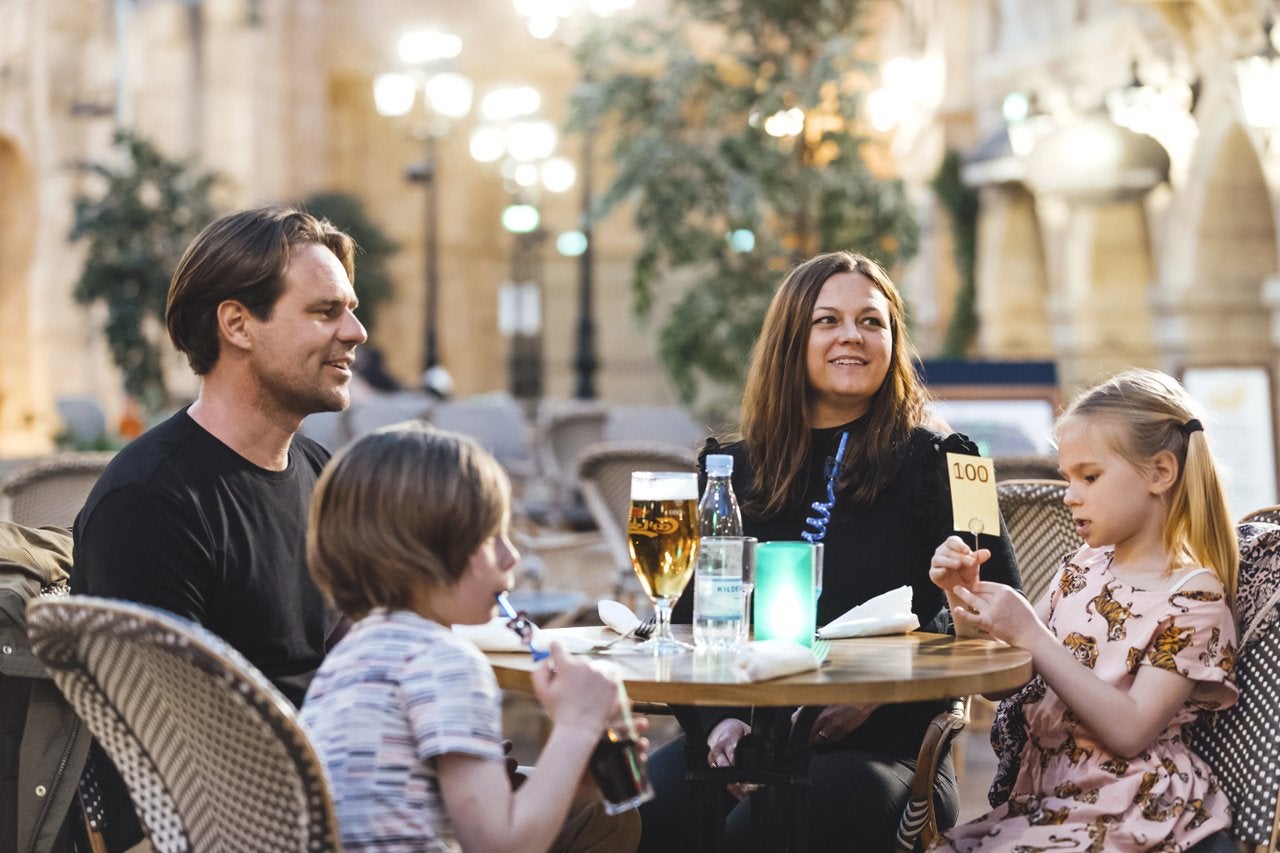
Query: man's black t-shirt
(181, 521)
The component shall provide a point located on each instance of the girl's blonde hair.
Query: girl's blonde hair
(401, 506)
(1151, 412)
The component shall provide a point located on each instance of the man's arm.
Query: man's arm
(143, 545)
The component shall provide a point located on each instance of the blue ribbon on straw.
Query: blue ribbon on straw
(818, 523)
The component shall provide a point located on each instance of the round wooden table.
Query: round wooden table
(901, 668)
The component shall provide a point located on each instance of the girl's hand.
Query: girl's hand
(954, 564)
(576, 692)
(835, 721)
(998, 611)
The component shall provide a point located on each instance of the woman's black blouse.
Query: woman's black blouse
(876, 548)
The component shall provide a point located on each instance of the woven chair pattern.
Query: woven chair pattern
(1267, 515)
(1040, 528)
(604, 478)
(1242, 743)
(50, 492)
(213, 756)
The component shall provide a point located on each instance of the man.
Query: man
(205, 515)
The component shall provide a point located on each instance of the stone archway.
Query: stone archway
(17, 248)
(1224, 317)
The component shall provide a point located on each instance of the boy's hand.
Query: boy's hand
(577, 692)
(954, 564)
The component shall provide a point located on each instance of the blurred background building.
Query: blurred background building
(1121, 154)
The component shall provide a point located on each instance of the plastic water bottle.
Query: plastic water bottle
(718, 594)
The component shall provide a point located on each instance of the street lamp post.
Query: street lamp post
(524, 147)
(446, 97)
(585, 362)
(545, 19)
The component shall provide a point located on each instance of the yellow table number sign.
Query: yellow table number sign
(973, 495)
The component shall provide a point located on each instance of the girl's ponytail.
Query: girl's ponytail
(1199, 520)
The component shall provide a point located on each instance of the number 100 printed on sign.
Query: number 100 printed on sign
(973, 495)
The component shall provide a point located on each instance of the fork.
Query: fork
(642, 631)
(821, 648)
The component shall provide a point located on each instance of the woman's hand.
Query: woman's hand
(721, 744)
(998, 611)
(723, 740)
(955, 564)
(836, 721)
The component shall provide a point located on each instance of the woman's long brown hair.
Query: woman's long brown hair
(775, 406)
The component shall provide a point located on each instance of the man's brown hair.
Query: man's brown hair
(242, 256)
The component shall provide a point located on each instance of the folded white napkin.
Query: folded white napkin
(495, 636)
(762, 660)
(617, 616)
(888, 613)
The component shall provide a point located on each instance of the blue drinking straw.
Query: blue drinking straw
(519, 622)
(818, 523)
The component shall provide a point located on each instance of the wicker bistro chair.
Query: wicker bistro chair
(1267, 514)
(562, 434)
(213, 756)
(1040, 528)
(49, 492)
(604, 477)
(1242, 743)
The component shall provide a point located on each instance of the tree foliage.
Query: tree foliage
(147, 211)
(686, 98)
(961, 202)
(373, 282)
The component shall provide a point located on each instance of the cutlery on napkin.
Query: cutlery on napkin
(617, 616)
(887, 613)
(762, 660)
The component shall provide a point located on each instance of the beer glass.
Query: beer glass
(662, 536)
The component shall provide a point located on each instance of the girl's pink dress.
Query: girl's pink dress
(1071, 793)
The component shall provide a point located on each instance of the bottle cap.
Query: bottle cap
(719, 465)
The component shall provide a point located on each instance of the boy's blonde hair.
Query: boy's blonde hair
(401, 506)
(1151, 412)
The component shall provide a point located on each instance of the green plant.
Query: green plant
(137, 226)
(687, 99)
(961, 203)
(373, 283)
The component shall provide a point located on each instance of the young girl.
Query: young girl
(408, 535)
(1134, 640)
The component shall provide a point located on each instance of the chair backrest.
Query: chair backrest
(665, 424)
(213, 756)
(498, 424)
(50, 491)
(1242, 743)
(383, 409)
(1040, 527)
(604, 476)
(562, 434)
(1267, 514)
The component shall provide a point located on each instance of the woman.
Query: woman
(833, 357)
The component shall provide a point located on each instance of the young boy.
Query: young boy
(408, 536)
